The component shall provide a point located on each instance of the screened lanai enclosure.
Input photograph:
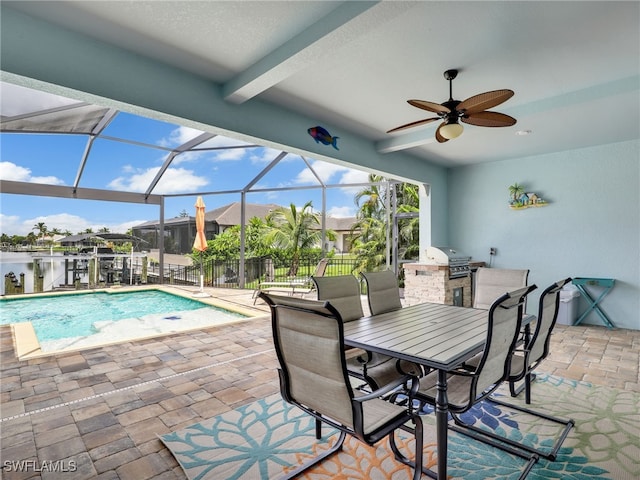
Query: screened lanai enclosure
(141, 176)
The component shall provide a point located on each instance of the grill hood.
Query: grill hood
(446, 256)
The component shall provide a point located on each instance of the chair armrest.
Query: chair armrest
(392, 386)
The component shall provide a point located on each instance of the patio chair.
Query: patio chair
(491, 283)
(469, 385)
(309, 342)
(343, 291)
(383, 295)
(302, 285)
(537, 348)
(523, 361)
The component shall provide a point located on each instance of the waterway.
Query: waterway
(52, 268)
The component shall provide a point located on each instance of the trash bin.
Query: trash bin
(568, 309)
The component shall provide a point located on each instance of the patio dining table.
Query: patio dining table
(437, 336)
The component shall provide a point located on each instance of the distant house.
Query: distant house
(342, 227)
(180, 231)
(524, 199)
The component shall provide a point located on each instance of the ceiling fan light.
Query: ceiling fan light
(451, 130)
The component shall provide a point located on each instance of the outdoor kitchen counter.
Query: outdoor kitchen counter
(424, 266)
(433, 283)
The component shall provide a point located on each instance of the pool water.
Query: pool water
(65, 316)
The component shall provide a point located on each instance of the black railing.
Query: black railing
(225, 274)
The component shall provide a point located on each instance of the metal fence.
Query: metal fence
(85, 272)
(224, 274)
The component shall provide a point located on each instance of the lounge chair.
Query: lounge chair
(292, 286)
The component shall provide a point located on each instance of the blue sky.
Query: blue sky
(112, 165)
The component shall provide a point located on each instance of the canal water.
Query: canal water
(52, 268)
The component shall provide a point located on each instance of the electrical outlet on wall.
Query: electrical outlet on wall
(492, 251)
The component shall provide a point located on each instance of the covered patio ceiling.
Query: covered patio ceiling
(264, 72)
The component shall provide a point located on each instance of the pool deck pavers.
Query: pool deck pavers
(98, 413)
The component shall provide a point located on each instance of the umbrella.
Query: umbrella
(200, 242)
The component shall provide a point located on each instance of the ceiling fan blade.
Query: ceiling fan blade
(439, 137)
(430, 106)
(489, 119)
(414, 124)
(484, 101)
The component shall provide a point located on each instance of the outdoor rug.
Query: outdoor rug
(267, 438)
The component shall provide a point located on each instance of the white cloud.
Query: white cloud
(63, 221)
(331, 173)
(354, 176)
(12, 225)
(17, 100)
(324, 170)
(11, 171)
(233, 154)
(265, 155)
(341, 212)
(179, 136)
(174, 180)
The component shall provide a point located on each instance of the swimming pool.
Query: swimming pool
(85, 319)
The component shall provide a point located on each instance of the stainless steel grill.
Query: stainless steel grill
(457, 261)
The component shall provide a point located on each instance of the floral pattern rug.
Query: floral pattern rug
(267, 438)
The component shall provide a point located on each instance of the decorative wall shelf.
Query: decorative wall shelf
(519, 199)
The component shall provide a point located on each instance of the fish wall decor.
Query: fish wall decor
(320, 135)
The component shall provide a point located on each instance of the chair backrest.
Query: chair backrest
(321, 268)
(343, 291)
(309, 342)
(549, 303)
(505, 319)
(491, 283)
(383, 293)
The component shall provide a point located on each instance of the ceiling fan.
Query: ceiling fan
(473, 111)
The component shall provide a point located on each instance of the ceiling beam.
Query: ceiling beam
(61, 191)
(345, 23)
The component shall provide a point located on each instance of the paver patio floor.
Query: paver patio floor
(100, 410)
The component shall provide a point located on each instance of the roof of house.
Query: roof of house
(167, 221)
(338, 224)
(102, 236)
(229, 215)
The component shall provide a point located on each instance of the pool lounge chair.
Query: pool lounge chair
(301, 285)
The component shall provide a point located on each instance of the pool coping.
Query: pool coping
(27, 345)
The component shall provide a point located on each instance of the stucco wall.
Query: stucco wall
(591, 227)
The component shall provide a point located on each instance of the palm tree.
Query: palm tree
(370, 230)
(293, 230)
(373, 199)
(41, 228)
(31, 238)
(516, 190)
